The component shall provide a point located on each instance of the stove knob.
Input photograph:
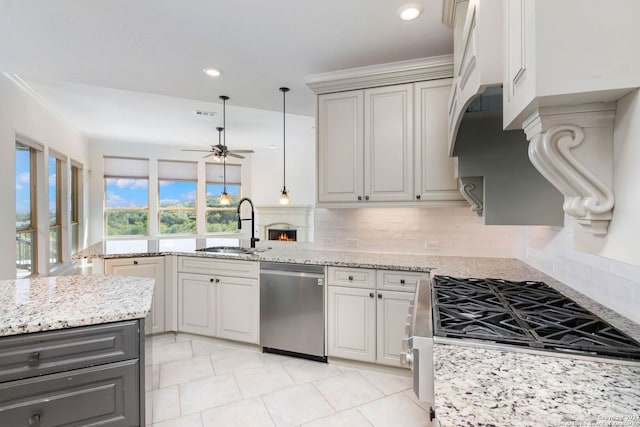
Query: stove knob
(406, 360)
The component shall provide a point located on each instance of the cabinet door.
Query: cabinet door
(237, 309)
(388, 143)
(392, 311)
(196, 304)
(340, 147)
(351, 323)
(434, 169)
(152, 267)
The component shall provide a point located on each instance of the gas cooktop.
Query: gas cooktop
(524, 313)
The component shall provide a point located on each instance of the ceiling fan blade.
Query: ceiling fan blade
(208, 155)
(241, 151)
(232, 154)
(202, 151)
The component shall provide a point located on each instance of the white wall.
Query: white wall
(22, 113)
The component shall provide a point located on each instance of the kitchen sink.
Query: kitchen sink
(228, 250)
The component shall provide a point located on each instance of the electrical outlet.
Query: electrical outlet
(432, 245)
(351, 243)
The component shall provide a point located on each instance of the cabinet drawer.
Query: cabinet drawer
(352, 277)
(399, 280)
(219, 267)
(41, 353)
(106, 395)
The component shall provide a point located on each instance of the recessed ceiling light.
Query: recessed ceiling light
(409, 12)
(273, 147)
(213, 72)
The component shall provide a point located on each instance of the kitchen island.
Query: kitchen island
(72, 350)
(489, 386)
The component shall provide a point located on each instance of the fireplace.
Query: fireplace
(283, 235)
(283, 223)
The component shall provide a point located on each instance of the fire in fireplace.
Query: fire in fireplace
(284, 235)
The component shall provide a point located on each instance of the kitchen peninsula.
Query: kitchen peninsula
(72, 349)
(473, 385)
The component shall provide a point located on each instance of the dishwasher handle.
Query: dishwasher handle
(318, 276)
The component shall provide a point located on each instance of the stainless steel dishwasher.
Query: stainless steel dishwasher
(292, 309)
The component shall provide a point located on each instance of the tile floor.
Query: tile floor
(200, 382)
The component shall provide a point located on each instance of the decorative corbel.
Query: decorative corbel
(572, 147)
(472, 189)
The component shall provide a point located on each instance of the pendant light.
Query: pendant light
(284, 196)
(224, 200)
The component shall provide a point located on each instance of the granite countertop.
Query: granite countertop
(49, 303)
(477, 386)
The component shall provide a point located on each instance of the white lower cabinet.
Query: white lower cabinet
(216, 305)
(152, 267)
(238, 309)
(196, 304)
(367, 324)
(351, 323)
(391, 314)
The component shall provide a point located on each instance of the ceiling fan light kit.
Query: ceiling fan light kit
(284, 195)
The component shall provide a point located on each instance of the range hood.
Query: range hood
(495, 174)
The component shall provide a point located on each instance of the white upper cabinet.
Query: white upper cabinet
(434, 169)
(382, 135)
(340, 147)
(561, 53)
(388, 143)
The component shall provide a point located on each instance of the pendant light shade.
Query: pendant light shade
(284, 195)
(224, 199)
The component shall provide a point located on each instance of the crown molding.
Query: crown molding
(436, 67)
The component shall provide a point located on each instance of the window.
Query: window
(74, 207)
(222, 218)
(55, 222)
(126, 201)
(177, 183)
(26, 247)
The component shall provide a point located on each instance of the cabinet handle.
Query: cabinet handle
(418, 196)
(351, 278)
(402, 281)
(34, 358)
(370, 294)
(34, 420)
(379, 296)
(135, 262)
(366, 197)
(359, 197)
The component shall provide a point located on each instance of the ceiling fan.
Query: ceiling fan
(220, 150)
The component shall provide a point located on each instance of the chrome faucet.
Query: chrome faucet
(253, 221)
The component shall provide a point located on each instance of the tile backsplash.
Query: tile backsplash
(434, 231)
(459, 232)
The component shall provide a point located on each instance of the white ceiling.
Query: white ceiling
(132, 69)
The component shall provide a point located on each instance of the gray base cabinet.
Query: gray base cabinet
(82, 376)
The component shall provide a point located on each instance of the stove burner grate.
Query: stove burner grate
(524, 313)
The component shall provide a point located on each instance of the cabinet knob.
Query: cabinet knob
(370, 294)
(402, 281)
(34, 420)
(34, 358)
(418, 196)
(211, 280)
(359, 197)
(366, 197)
(135, 262)
(379, 296)
(217, 280)
(351, 278)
